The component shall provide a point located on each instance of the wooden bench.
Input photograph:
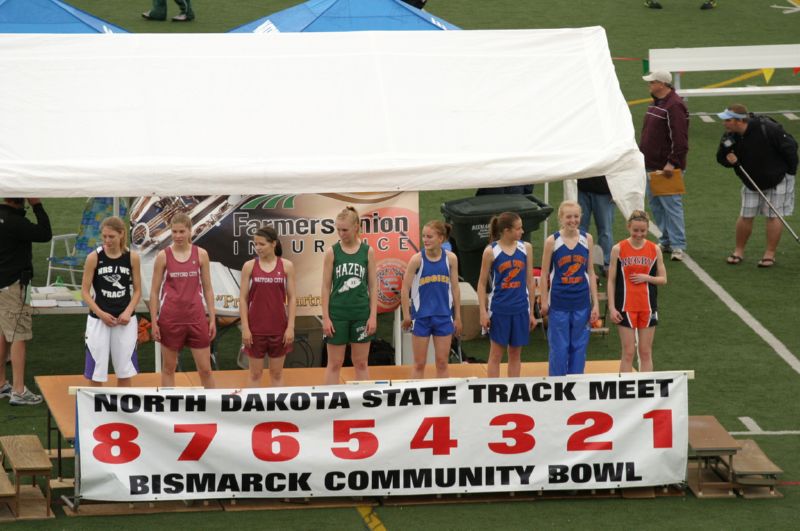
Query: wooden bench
(7, 490)
(717, 58)
(713, 449)
(26, 457)
(752, 467)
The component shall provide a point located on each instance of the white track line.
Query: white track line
(739, 310)
(755, 429)
(750, 424)
(791, 116)
(785, 432)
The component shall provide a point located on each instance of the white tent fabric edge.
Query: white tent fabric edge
(212, 114)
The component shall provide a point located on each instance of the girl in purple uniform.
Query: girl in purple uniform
(506, 312)
(267, 308)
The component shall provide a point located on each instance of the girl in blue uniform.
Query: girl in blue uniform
(506, 312)
(431, 299)
(569, 292)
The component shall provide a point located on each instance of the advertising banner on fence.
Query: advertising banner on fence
(224, 226)
(444, 436)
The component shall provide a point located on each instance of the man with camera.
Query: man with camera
(17, 235)
(764, 158)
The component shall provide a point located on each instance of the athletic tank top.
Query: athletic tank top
(181, 293)
(632, 297)
(266, 300)
(569, 276)
(430, 291)
(112, 282)
(509, 287)
(350, 291)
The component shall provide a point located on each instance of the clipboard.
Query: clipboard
(660, 184)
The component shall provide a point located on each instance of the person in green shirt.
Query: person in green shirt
(159, 11)
(349, 298)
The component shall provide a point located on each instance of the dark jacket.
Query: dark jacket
(765, 151)
(594, 185)
(16, 236)
(665, 133)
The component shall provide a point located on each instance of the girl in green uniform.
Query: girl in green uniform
(349, 298)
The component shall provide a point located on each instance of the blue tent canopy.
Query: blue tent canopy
(49, 16)
(347, 15)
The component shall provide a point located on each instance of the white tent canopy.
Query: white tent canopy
(212, 114)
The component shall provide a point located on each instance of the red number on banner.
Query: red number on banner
(125, 435)
(439, 441)
(367, 442)
(662, 427)
(203, 435)
(601, 423)
(523, 440)
(265, 441)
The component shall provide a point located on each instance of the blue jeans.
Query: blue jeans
(668, 215)
(602, 206)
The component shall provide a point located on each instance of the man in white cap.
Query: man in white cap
(764, 157)
(664, 144)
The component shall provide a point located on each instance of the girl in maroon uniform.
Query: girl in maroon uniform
(267, 307)
(183, 269)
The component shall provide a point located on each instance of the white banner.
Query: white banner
(444, 436)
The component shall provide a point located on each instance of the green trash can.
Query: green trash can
(470, 218)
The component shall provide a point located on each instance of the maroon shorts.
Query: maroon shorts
(176, 336)
(271, 346)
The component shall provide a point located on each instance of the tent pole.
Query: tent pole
(397, 333)
(547, 202)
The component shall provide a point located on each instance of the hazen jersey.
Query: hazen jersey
(509, 281)
(266, 300)
(569, 275)
(181, 293)
(430, 291)
(112, 282)
(350, 285)
(630, 297)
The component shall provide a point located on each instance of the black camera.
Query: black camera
(728, 141)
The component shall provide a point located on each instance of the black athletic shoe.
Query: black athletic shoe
(652, 4)
(709, 4)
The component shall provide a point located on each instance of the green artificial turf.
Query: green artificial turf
(736, 373)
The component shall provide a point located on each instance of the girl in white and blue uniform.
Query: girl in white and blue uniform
(569, 292)
(506, 313)
(431, 299)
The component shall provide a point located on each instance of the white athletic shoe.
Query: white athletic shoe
(25, 398)
(677, 255)
(5, 390)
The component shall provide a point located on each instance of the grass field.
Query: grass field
(737, 373)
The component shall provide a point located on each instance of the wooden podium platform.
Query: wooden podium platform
(62, 414)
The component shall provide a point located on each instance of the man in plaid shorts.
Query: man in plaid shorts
(760, 147)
